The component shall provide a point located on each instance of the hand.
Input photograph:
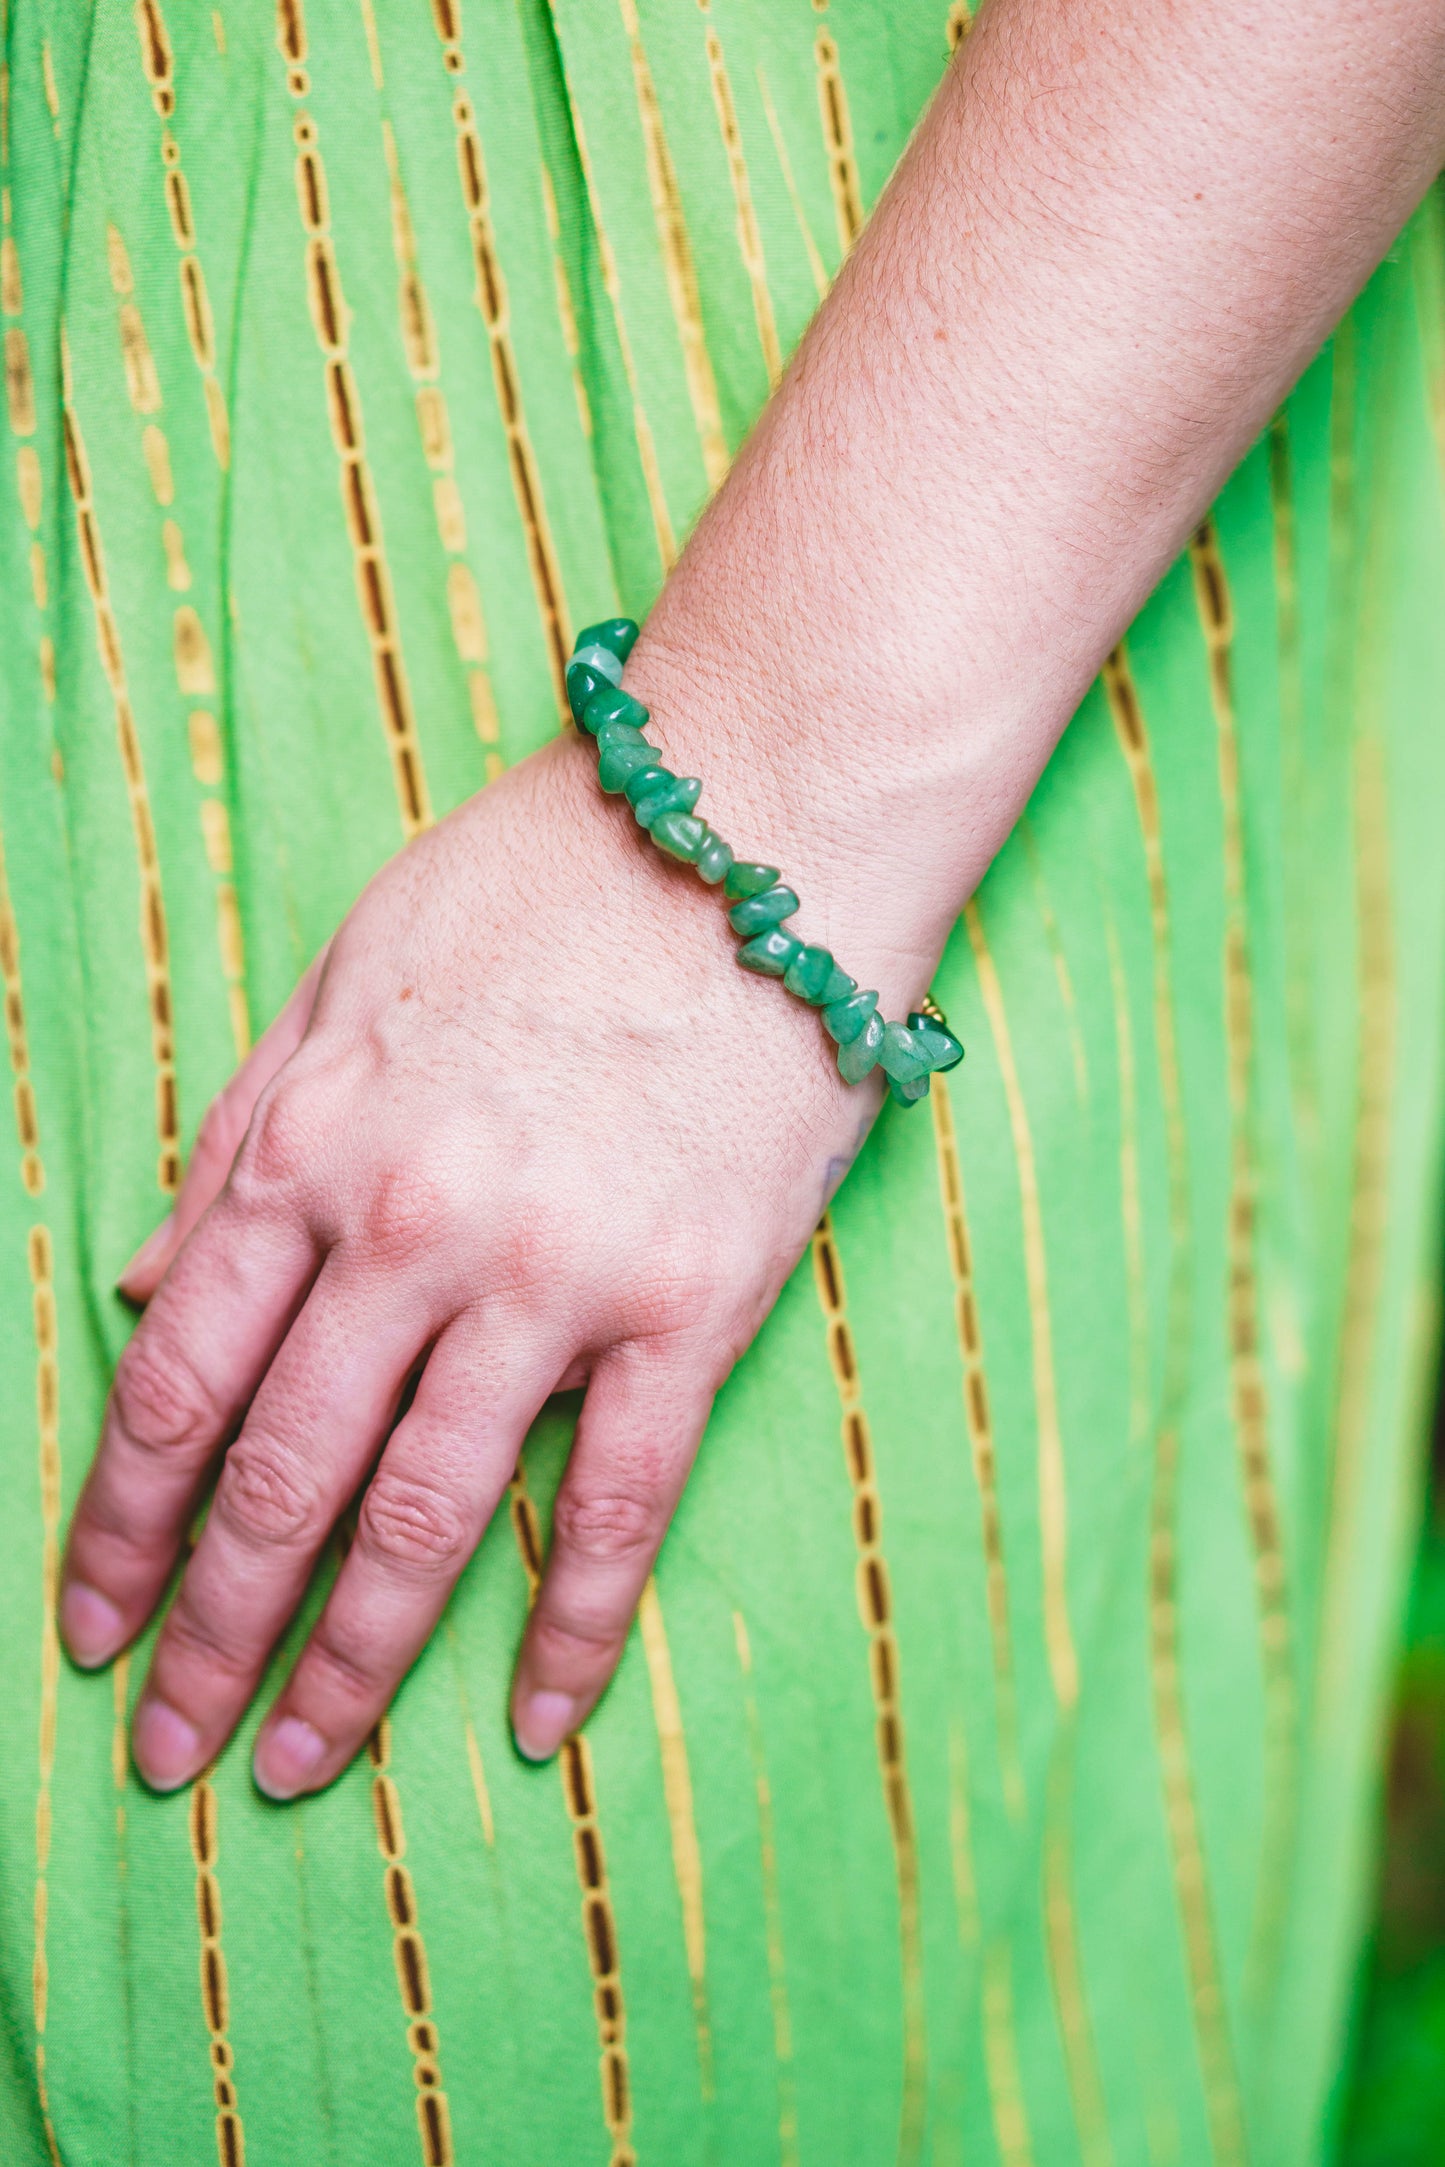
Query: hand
(524, 1127)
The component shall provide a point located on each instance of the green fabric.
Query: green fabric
(992, 1777)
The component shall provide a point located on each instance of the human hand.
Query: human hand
(523, 1128)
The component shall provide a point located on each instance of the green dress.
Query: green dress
(991, 1775)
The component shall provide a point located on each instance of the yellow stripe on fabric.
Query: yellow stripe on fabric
(47, 1422)
(20, 402)
(1216, 2056)
(1065, 1966)
(675, 247)
(475, 1768)
(979, 1420)
(413, 1978)
(566, 313)
(599, 1921)
(1296, 790)
(1053, 941)
(1248, 1393)
(788, 2154)
(155, 943)
(838, 135)
(682, 1824)
(612, 287)
(191, 649)
(423, 360)
(875, 1607)
(491, 299)
(158, 62)
(1001, 2060)
(960, 1841)
(215, 1987)
(785, 167)
(1130, 1205)
(959, 23)
(1058, 1633)
(330, 319)
(120, 1777)
(750, 239)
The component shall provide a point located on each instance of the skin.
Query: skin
(475, 1144)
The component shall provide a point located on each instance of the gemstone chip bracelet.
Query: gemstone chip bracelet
(665, 804)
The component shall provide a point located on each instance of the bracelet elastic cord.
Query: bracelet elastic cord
(665, 804)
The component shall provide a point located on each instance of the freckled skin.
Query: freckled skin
(525, 1124)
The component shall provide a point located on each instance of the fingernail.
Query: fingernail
(152, 1247)
(286, 1758)
(165, 1747)
(541, 1723)
(92, 1626)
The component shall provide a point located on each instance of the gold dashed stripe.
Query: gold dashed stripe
(682, 1824)
(413, 1978)
(190, 645)
(875, 1605)
(750, 239)
(599, 1923)
(491, 299)
(331, 319)
(675, 247)
(158, 62)
(1246, 1369)
(788, 2155)
(155, 944)
(979, 1418)
(1216, 2058)
(47, 1417)
(464, 601)
(215, 1990)
(838, 138)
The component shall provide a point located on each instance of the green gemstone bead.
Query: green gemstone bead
(861, 1054)
(583, 683)
(620, 761)
(940, 1048)
(745, 879)
(769, 953)
(847, 1020)
(908, 1094)
(612, 704)
(715, 859)
(643, 780)
(901, 1055)
(757, 912)
(838, 988)
(619, 634)
(620, 733)
(681, 835)
(808, 973)
(678, 794)
(600, 659)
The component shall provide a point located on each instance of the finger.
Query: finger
(441, 1475)
(314, 1427)
(641, 1424)
(218, 1139)
(180, 1389)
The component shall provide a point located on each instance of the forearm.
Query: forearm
(1121, 231)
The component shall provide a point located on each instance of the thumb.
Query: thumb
(218, 1139)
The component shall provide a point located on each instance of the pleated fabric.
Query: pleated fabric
(991, 1775)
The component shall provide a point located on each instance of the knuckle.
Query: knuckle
(159, 1399)
(407, 1523)
(406, 1210)
(344, 1669)
(680, 1291)
(286, 1135)
(194, 1638)
(605, 1527)
(263, 1495)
